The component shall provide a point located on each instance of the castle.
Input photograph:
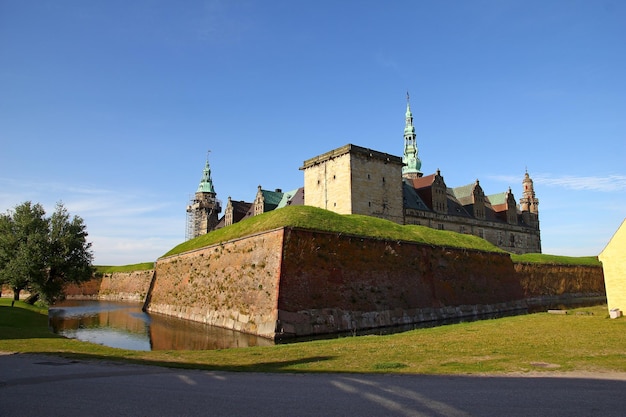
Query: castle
(355, 180)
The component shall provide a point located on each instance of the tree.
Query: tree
(43, 254)
(23, 236)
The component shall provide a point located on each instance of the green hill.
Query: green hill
(313, 218)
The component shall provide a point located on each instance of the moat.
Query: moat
(124, 325)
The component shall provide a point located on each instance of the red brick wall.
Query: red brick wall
(332, 271)
(546, 280)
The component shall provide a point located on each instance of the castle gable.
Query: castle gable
(292, 198)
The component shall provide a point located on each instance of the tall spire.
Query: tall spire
(412, 163)
(206, 183)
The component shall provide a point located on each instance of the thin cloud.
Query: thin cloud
(609, 183)
(123, 226)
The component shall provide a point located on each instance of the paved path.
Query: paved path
(36, 385)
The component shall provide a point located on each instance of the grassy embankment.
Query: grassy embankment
(101, 269)
(312, 218)
(584, 340)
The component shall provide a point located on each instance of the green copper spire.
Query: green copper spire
(206, 183)
(412, 163)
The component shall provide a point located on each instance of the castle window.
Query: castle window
(369, 203)
(383, 179)
(368, 176)
(440, 226)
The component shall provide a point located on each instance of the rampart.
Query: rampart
(234, 284)
(128, 286)
(294, 282)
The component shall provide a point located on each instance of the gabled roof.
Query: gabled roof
(497, 199)
(412, 200)
(290, 198)
(221, 223)
(422, 182)
(240, 208)
(455, 207)
(272, 199)
(465, 193)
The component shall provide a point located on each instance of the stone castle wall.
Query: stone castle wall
(376, 187)
(525, 240)
(232, 285)
(329, 184)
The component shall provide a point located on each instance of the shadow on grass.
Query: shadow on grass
(270, 366)
(21, 323)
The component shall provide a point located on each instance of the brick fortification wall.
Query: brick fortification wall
(333, 283)
(232, 285)
(543, 284)
(128, 286)
(292, 282)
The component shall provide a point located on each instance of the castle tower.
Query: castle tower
(412, 163)
(204, 208)
(529, 206)
(529, 202)
(355, 180)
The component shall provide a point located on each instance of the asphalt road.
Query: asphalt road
(36, 385)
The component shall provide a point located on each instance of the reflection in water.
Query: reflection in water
(124, 325)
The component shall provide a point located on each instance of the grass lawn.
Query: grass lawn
(586, 339)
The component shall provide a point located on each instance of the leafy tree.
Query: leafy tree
(23, 236)
(43, 254)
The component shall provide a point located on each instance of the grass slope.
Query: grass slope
(101, 269)
(583, 340)
(542, 258)
(313, 218)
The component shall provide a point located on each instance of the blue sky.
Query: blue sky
(111, 106)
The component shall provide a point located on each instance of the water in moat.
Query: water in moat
(123, 325)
